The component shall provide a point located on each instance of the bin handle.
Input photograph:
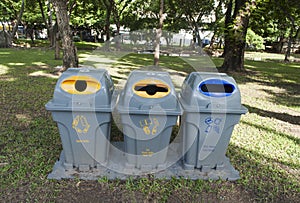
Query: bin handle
(215, 106)
(146, 106)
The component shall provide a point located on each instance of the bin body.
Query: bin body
(149, 109)
(81, 108)
(211, 108)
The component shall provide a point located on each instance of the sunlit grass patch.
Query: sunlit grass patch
(3, 69)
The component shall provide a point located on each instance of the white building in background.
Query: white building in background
(183, 38)
(147, 37)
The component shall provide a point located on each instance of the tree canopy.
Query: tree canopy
(240, 23)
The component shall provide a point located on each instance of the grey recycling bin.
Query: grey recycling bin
(149, 109)
(212, 106)
(81, 106)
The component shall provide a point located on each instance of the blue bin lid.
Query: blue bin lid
(210, 92)
(216, 88)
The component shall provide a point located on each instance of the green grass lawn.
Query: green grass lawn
(265, 146)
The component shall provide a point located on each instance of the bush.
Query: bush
(76, 38)
(254, 41)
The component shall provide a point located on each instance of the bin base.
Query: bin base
(117, 163)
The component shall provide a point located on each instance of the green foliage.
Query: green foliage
(9, 9)
(273, 19)
(141, 14)
(218, 26)
(32, 15)
(254, 40)
(174, 20)
(88, 14)
(196, 13)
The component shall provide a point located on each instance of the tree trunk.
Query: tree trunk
(288, 50)
(117, 11)
(199, 41)
(116, 16)
(108, 6)
(56, 41)
(57, 50)
(51, 33)
(7, 42)
(291, 39)
(234, 58)
(51, 36)
(279, 47)
(30, 32)
(228, 20)
(107, 31)
(297, 35)
(236, 38)
(43, 14)
(117, 22)
(212, 41)
(70, 58)
(159, 33)
(215, 27)
(15, 29)
(48, 22)
(55, 38)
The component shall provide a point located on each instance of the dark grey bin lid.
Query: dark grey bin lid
(82, 89)
(149, 92)
(211, 92)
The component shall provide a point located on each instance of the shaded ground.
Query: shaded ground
(264, 147)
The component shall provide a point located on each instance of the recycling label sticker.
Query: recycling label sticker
(213, 124)
(147, 152)
(149, 125)
(213, 127)
(80, 124)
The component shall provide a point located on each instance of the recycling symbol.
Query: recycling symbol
(80, 124)
(149, 123)
(213, 124)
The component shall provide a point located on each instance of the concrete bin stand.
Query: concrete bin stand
(81, 106)
(149, 109)
(212, 106)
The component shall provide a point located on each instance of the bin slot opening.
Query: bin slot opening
(80, 85)
(151, 89)
(216, 88)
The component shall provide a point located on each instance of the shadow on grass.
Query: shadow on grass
(270, 74)
(264, 178)
(289, 98)
(144, 60)
(270, 114)
(23, 62)
(283, 135)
